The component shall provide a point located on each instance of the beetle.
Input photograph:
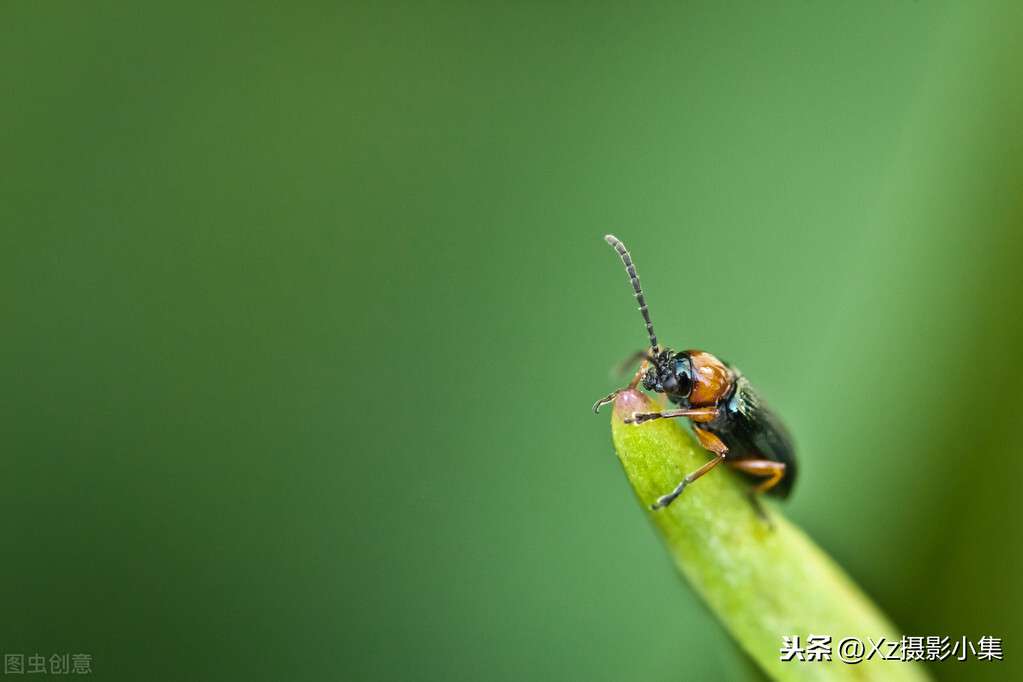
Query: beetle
(726, 413)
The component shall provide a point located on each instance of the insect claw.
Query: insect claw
(609, 398)
(662, 502)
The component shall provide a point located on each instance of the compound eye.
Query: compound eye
(684, 375)
(650, 380)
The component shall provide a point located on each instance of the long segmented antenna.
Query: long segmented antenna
(634, 278)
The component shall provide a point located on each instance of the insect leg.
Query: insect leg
(695, 413)
(712, 443)
(610, 397)
(772, 472)
(623, 366)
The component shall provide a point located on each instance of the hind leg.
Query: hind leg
(772, 473)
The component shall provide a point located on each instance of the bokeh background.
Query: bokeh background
(304, 309)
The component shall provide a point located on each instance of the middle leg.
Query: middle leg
(712, 443)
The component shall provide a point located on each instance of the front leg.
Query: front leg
(610, 397)
(699, 414)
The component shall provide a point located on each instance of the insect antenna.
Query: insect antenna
(634, 278)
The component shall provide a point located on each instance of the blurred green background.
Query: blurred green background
(304, 310)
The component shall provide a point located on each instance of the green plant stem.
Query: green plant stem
(764, 581)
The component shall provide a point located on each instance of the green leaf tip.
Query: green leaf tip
(764, 579)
